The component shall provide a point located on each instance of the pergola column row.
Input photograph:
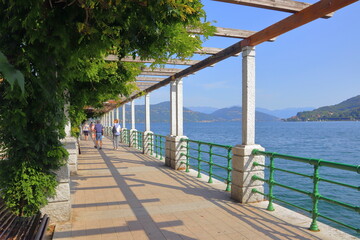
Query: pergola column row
(242, 161)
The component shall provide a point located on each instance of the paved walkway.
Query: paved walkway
(126, 195)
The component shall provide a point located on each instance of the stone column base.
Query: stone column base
(133, 138)
(123, 135)
(173, 157)
(243, 170)
(148, 143)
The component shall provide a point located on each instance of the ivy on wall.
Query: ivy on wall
(49, 47)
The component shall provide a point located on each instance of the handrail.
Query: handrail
(311, 161)
(138, 139)
(125, 136)
(315, 194)
(157, 145)
(212, 156)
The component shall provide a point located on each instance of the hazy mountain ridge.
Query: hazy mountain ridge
(286, 112)
(161, 113)
(348, 110)
(205, 109)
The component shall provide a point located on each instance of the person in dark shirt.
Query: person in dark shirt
(99, 131)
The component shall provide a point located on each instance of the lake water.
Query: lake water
(330, 141)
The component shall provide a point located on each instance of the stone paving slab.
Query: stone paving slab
(124, 195)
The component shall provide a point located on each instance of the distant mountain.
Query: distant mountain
(348, 110)
(161, 113)
(206, 110)
(284, 113)
(235, 114)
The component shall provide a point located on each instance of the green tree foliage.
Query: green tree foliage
(59, 46)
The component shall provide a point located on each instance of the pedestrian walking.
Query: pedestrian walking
(85, 130)
(116, 134)
(99, 131)
(92, 130)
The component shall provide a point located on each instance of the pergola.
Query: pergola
(152, 79)
(303, 13)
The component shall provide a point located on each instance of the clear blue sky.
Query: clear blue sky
(315, 65)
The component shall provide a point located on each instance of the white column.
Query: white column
(68, 123)
(123, 129)
(124, 115)
(66, 111)
(147, 112)
(243, 159)
(248, 96)
(118, 115)
(179, 107)
(173, 108)
(147, 137)
(132, 114)
(133, 136)
(111, 117)
(174, 150)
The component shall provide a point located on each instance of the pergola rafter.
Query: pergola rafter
(229, 32)
(149, 79)
(138, 60)
(278, 5)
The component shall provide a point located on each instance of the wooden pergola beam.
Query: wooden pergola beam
(309, 14)
(112, 57)
(149, 79)
(161, 70)
(210, 51)
(278, 5)
(144, 84)
(229, 32)
(296, 20)
(156, 73)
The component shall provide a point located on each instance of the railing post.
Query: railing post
(271, 184)
(187, 157)
(229, 170)
(315, 199)
(211, 164)
(199, 160)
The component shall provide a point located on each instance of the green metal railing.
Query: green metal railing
(157, 145)
(315, 193)
(195, 150)
(139, 136)
(125, 136)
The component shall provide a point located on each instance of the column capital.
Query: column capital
(179, 81)
(248, 51)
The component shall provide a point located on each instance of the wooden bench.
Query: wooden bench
(13, 227)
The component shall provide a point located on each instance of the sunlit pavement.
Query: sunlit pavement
(123, 194)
